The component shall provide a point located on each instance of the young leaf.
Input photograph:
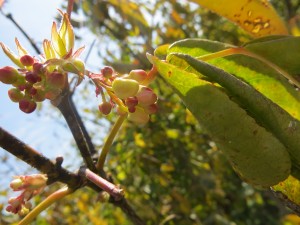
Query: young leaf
(255, 153)
(257, 17)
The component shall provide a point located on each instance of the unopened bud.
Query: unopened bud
(138, 75)
(125, 88)
(151, 109)
(139, 116)
(27, 60)
(32, 77)
(105, 108)
(146, 96)
(15, 94)
(38, 68)
(8, 75)
(16, 184)
(39, 96)
(107, 71)
(27, 106)
(56, 79)
(131, 102)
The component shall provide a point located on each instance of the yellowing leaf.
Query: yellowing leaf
(257, 17)
(130, 10)
(290, 188)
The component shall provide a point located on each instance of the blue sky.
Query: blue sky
(42, 130)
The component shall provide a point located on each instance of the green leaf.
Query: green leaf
(263, 78)
(255, 153)
(269, 115)
(284, 51)
(257, 17)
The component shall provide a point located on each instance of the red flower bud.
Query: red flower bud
(56, 80)
(107, 71)
(27, 106)
(8, 75)
(15, 94)
(27, 60)
(146, 96)
(151, 109)
(38, 68)
(32, 77)
(131, 102)
(105, 108)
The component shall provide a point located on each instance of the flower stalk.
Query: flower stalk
(63, 192)
(109, 141)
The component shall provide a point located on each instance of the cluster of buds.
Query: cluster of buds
(37, 79)
(128, 92)
(29, 186)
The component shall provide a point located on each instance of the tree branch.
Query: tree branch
(33, 44)
(32, 157)
(126, 208)
(75, 124)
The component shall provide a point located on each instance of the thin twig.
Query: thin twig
(32, 157)
(70, 7)
(129, 211)
(104, 184)
(83, 128)
(33, 44)
(67, 110)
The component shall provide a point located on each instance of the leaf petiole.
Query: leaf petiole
(243, 51)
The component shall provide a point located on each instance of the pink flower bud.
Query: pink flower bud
(125, 88)
(139, 116)
(15, 94)
(56, 79)
(151, 109)
(105, 108)
(131, 102)
(32, 77)
(38, 68)
(27, 106)
(107, 71)
(27, 60)
(8, 75)
(146, 96)
(138, 75)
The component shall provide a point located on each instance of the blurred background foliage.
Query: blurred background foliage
(171, 170)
